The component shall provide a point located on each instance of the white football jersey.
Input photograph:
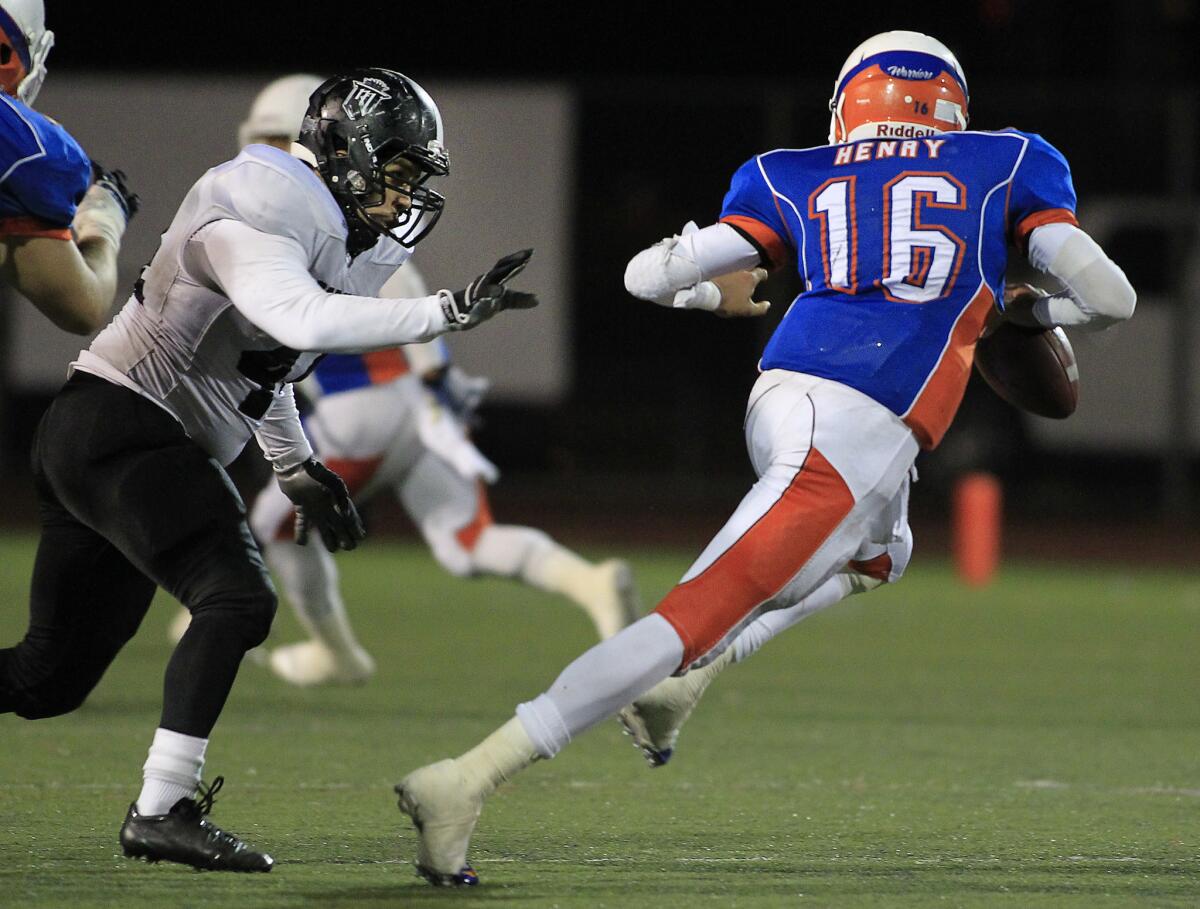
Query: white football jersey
(252, 271)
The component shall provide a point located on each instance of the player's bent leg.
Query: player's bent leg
(455, 518)
(86, 602)
(445, 798)
(309, 578)
(655, 719)
(605, 591)
(332, 655)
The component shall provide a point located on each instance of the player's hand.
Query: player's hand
(487, 295)
(322, 501)
(114, 182)
(458, 392)
(1018, 307)
(737, 294)
(105, 209)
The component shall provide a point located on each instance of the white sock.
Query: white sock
(497, 758)
(600, 682)
(772, 623)
(171, 772)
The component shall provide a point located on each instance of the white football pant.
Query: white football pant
(833, 469)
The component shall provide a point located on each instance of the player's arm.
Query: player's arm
(1041, 210)
(715, 268)
(1096, 293)
(73, 283)
(320, 496)
(266, 277)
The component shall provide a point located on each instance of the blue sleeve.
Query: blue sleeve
(43, 171)
(1042, 191)
(751, 209)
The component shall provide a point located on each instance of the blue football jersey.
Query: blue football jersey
(43, 173)
(902, 245)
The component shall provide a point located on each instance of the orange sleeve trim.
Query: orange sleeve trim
(1046, 216)
(769, 243)
(32, 227)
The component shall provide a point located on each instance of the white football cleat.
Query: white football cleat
(653, 721)
(614, 601)
(444, 807)
(313, 663)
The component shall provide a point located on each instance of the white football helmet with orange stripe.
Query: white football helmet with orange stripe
(898, 84)
(24, 44)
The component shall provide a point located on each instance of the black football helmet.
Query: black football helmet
(357, 124)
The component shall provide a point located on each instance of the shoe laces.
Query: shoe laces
(208, 795)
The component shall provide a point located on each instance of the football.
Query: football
(1031, 368)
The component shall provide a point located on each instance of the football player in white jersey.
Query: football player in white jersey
(61, 216)
(394, 421)
(271, 257)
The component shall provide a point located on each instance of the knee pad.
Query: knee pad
(246, 617)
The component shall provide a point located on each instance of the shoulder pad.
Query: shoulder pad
(42, 168)
(275, 193)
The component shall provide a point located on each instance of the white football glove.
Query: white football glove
(657, 273)
(444, 435)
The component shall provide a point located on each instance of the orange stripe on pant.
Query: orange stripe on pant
(761, 562)
(355, 474)
(468, 536)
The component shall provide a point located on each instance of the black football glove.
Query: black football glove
(322, 501)
(487, 295)
(114, 182)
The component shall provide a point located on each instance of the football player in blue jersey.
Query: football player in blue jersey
(61, 217)
(900, 229)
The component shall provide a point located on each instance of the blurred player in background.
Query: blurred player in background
(271, 256)
(61, 216)
(900, 228)
(396, 421)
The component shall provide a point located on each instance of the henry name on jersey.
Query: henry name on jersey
(871, 151)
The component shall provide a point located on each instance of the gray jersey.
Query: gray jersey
(252, 272)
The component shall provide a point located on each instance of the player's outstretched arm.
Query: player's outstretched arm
(686, 271)
(1096, 292)
(73, 283)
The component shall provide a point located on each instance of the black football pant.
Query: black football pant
(127, 502)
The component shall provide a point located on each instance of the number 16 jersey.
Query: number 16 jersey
(902, 245)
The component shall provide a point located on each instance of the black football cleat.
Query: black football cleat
(186, 836)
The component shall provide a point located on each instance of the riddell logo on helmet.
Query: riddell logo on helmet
(903, 130)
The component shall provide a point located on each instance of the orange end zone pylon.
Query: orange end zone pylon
(978, 508)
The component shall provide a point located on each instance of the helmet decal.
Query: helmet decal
(365, 97)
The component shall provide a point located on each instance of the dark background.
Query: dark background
(673, 97)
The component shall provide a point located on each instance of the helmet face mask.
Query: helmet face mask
(357, 125)
(898, 84)
(24, 45)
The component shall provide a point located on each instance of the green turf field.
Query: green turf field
(1035, 744)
